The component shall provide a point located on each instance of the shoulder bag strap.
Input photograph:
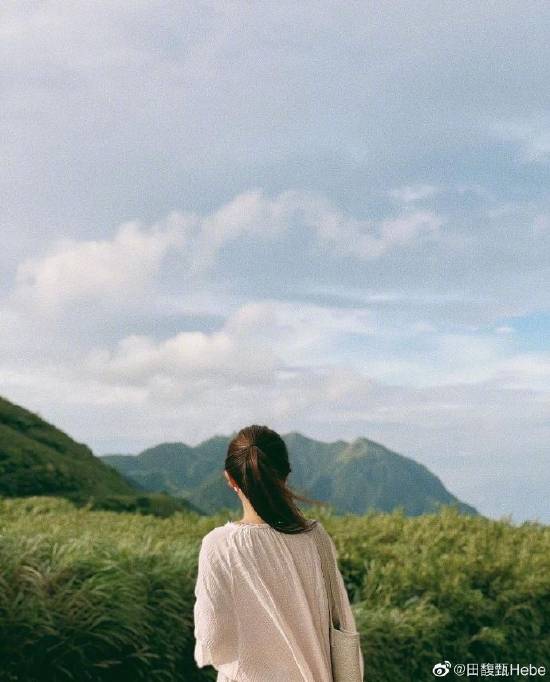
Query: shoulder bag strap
(329, 569)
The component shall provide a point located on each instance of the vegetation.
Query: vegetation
(94, 595)
(38, 459)
(351, 477)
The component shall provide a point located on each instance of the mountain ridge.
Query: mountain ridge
(353, 477)
(37, 458)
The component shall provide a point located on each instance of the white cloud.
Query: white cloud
(115, 268)
(532, 134)
(525, 370)
(406, 229)
(186, 357)
(259, 342)
(121, 267)
(368, 239)
(254, 213)
(300, 332)
(410, 193)
(248, 214)
(266, 341)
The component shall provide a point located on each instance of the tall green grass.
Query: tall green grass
(94, 595)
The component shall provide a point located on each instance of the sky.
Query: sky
(331, 218)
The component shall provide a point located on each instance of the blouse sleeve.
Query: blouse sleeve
(214, 613)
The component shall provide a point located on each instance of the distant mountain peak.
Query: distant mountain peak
(353, 476)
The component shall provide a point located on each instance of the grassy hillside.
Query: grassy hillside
(38, 459)
(102, 597)
(352, 477)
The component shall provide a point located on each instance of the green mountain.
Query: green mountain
(352, 477)
(38, 459)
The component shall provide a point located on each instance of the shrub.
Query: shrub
(103, 596)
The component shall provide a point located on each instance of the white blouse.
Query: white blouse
(261, 609)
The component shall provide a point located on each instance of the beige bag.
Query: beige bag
(345, 647)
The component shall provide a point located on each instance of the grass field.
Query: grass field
(96, 595)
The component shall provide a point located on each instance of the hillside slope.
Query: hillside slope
(38, 459)
(352, 477)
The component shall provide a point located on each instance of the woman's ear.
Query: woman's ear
(230, 481)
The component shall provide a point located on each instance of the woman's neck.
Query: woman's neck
(249, 515)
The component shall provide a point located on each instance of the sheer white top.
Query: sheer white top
(261, 609)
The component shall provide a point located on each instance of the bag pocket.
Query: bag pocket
(345, 650)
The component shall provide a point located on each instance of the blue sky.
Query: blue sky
(329, 218)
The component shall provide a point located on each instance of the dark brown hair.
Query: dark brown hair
(257, 460)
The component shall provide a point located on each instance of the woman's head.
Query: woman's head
(257, 460)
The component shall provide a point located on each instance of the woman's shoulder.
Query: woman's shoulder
(214, 547)
(321, 531)
(216, 537)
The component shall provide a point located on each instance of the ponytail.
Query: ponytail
(257, 459)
